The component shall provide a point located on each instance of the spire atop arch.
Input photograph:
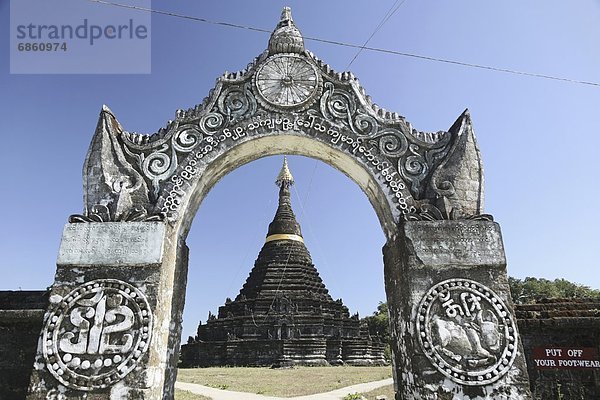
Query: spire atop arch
(286, 38)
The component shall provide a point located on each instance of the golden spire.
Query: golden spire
(284, 225)
(285, 176)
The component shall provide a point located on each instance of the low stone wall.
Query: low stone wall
(231, 353)
(561, 323)
(21, 315)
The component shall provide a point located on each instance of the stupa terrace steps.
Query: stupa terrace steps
(265, 305)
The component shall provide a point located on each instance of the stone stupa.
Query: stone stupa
(284, 314)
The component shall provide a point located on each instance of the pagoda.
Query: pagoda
(284, 314)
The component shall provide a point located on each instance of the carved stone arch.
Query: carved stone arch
(113, 325)
(290, 96)
(280, 143)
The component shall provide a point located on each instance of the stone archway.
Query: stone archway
(115, 314)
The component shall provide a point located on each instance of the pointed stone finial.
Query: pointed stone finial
(457, 184)
(286, 38)
(286, 15)
(285, 177)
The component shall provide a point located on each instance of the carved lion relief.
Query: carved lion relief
(467, 332)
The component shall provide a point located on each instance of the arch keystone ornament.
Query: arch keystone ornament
(113, 327)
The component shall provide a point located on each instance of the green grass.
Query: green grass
(298, 381)
(353, 396)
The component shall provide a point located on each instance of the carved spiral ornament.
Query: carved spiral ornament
(467, 332)
(97, 334)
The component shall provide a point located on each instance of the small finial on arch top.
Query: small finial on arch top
(286, 14)
(286, 38)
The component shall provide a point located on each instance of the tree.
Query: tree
(531, 290)
(379, 322)
(379, 327)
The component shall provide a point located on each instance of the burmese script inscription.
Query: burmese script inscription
(313, 125)
(112, 243)
(97, 334)
(476, 242)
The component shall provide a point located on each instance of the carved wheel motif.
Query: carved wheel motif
(97, 334)
(467, 332)
(288, 81)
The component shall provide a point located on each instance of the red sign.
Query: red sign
(565, 357)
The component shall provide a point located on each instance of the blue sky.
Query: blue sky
(539, 138)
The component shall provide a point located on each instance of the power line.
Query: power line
(355, 46)
(310, 181)
(190, 17)
(466, 64)
(385, 19)
(250, 245)
(317, 243)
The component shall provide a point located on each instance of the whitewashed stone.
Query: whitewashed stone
(442, 347)
(112, 243)
(464, 242)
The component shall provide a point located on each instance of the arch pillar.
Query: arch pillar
(451, 314)
(128, 279)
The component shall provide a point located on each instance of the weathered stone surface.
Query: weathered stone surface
(568, 323)
(465, 243)
(459, 180)
(112, 243)
(110, 181)
(573, 323)
(21, 314)
(434, 362)
(287, 100)
(131, 298)
(88, 354)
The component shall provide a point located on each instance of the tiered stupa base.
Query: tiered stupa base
(283, 353)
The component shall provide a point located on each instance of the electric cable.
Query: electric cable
(385, 19)
(350, 45)
(308, 224)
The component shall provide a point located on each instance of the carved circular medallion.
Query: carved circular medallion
(287, 81)
(97, 334)
(467, 332)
